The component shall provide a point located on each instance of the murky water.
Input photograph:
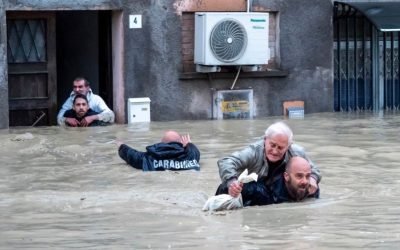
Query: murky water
(68, 188)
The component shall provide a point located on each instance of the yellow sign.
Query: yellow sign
(235, 106)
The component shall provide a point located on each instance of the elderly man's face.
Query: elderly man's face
(80, 88)
(276, 147)
(297, 179)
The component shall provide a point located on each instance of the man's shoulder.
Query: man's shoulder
(296, 149)
(70, 113)
(257, 146)
(91, 112)
(92, 95)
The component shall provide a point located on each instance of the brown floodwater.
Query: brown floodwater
(67, 188)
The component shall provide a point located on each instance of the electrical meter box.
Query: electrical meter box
(139, 109)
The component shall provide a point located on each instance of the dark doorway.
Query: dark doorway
(84, 49)
(46, 51)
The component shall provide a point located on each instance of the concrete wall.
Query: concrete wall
(152, 62)
(3, 69)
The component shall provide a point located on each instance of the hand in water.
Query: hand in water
(118, 142)
(185, 139)
(235, 188)
(313, 186)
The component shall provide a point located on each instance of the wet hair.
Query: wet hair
(86, 82)
(80, 96)
(279, 128)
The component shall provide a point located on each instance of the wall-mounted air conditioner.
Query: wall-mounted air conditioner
(223, 38)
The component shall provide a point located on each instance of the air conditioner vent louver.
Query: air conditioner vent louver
(228, 40)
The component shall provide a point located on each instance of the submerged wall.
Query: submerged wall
(3, 69)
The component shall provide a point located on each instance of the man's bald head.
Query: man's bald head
(297, 177)
(171, 136)
(297, 163)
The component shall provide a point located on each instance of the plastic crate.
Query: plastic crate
(295, 112)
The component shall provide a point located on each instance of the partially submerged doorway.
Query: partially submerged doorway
(46, 51)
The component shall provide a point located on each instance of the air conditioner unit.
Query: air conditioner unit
(223, 38)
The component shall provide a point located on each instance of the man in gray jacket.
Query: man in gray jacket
(267, 158)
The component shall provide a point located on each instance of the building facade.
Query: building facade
(132, 49)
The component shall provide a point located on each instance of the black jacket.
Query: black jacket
(257, 193)
(72, 114)
(162, 156)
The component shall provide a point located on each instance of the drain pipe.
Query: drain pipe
(236, 77)
(249, 5)
(212, 95)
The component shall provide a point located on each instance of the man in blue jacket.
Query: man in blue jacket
(174, 152)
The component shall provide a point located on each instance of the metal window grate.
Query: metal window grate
(26, 40)
(366, 63)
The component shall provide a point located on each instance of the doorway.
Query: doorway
(366, 63)
(46, 52)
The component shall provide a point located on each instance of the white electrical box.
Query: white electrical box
(139, 109)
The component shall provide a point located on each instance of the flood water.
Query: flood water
(67, 188)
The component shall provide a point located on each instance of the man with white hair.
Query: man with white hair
(267, 158)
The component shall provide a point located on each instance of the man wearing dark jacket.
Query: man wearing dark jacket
(290, 186)
(174, 152)
(80, 110)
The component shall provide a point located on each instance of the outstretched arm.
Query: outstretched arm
(130, 155)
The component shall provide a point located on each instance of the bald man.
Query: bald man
(291, 186)
(174, 152)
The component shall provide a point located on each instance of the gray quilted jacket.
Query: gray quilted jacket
(252, 158)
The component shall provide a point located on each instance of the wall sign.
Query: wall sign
(135, 21)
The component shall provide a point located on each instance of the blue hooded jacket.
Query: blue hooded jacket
(162, 156)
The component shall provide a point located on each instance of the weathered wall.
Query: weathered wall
(3, 69)
(153, 59)
(306, 50)
(153, 64)
(62, 4)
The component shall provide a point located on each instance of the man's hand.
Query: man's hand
(313, 186)
(85, 122)
(235, 188)
(72, 122)
(118, 143)
(185, 139)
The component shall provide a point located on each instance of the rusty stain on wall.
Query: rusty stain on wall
(209, 5)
